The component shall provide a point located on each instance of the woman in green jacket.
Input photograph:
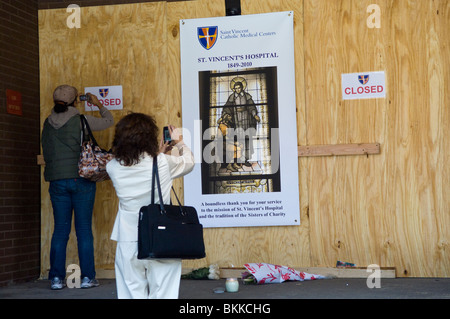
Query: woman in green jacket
(61, 144)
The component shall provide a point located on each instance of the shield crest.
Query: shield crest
(207, 36)
(363, 79)
(103, 92)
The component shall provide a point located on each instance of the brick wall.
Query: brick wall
(19, 143)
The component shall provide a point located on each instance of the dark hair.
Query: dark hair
(61, 106)
(135, 134)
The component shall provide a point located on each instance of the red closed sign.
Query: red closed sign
(110, 96)
(364, 85)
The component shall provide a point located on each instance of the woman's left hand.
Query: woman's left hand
(177, 139)
(164, 147)
(94, 100)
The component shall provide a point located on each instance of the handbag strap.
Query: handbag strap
(155, 176)
(85, 124)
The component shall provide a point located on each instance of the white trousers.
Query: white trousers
(145, 279)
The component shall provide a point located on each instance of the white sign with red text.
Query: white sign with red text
(110, 96)
(364, 85)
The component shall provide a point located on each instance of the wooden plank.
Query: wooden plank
(40, 160)
(317, 150)
(356, 272)
(339, 149)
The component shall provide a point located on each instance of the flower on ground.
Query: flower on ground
(248, 278)
(212, 272)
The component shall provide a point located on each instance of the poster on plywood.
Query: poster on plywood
(239, 119)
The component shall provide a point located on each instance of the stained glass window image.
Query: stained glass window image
(239, 115)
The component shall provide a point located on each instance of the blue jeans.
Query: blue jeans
(77, 195)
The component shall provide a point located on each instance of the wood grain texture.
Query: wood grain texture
(387, 209)
(116, 45)
(390, 209)
(339, 149)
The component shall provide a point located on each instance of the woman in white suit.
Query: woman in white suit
(134, 146)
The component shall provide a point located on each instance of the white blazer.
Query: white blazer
(133, 187)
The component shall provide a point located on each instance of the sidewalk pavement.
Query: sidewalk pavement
(338, 288)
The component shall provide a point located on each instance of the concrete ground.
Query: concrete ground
(338, 288)
(328, 297)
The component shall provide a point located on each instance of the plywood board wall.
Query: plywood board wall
(387, 209)
(116, 45)
(390, 209)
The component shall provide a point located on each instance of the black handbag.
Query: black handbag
(168, 231)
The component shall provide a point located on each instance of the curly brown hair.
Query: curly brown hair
(135, 134)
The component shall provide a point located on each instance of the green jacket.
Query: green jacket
(61, 147)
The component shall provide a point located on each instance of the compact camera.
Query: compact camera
(84, 97)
